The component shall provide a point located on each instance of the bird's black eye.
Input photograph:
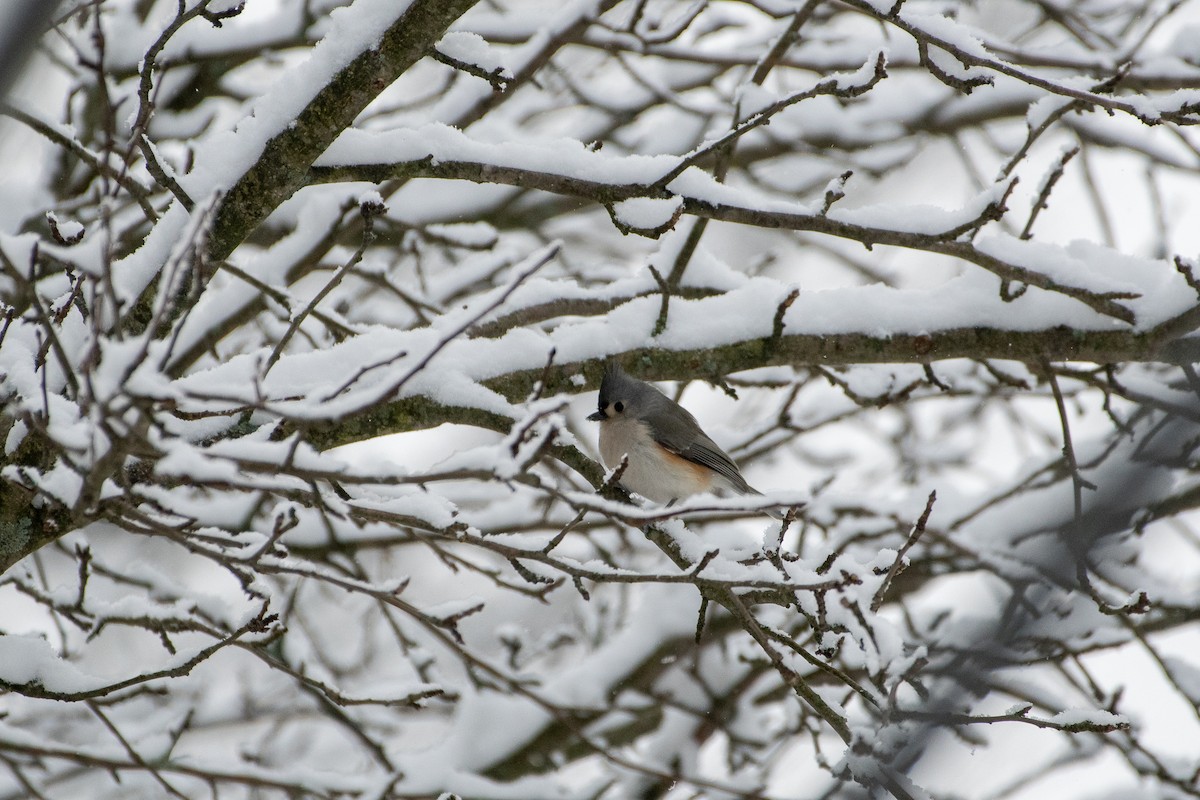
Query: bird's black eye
(619, 406)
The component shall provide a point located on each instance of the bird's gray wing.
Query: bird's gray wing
(682, 435)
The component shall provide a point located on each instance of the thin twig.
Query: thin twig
(898, 564)
(370, 211)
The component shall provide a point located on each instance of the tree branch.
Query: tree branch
(283, 165)
(942, 243)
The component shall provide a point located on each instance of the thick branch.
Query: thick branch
(1057, 344)
(282, 167)
(944, 243)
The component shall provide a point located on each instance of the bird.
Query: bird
(670, 455)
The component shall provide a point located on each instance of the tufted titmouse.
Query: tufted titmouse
(670, 457)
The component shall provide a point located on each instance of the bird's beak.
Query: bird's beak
(597, 416)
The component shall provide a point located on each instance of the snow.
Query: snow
(949, 31)
(1155, 107)
(920, 219)
(444, 143)
(471, 48)
(227, 296)
(30, 661)
(138, 269)
(1097, 274)
(225, 157)
(647, 213)
(1041, 110)
(510, 719)
(69, 229)
(466, 234)
(1088, 717)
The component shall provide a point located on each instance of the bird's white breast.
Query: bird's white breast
(652, 472)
